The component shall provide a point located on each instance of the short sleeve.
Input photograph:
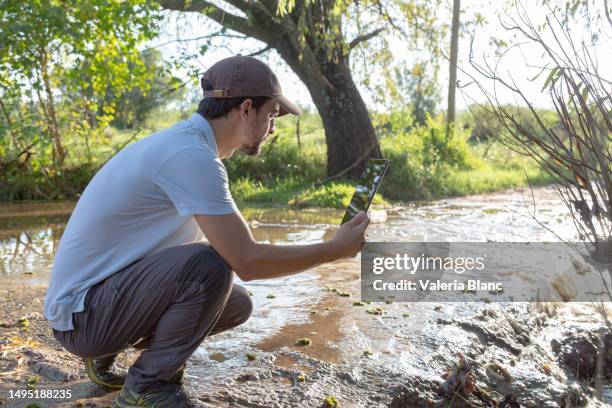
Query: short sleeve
(196, 182)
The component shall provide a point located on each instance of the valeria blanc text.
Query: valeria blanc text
(438, 285)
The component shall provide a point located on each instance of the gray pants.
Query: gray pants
(164, 304)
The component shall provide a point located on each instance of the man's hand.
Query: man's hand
(349, 236)
(231, 237)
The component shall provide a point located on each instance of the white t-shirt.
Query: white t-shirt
(140, 202)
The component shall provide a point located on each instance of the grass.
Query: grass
(505, 169)
(424, 166)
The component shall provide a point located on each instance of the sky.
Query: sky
(520, 64)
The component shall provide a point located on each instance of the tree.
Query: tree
(57, 59)
(312, 36)
(418, 91)
(576, 152)
(452, 78)
(134, 105)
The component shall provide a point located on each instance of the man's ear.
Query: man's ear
(245, 107)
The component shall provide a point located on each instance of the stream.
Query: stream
(363, 359)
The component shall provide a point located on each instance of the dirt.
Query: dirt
(288, 375)
(396, 355)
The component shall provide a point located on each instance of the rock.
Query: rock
(487, 336)
(348, 377)
(35, 355)
(509, 401)
(578, 351)
(574, 397)
(247, 377)
(7, 364)
(53, 373)
(421, 394)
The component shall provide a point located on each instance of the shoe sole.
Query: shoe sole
(122, 403)
(92, 376)
(137, 400)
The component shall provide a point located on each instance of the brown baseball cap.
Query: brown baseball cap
(245, 76)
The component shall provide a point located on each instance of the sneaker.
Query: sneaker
(178, 377)
(104, 372)
(170, 395)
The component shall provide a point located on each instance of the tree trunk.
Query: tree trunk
(297, 133)
(319, 62)
(452, 81)
(349, 134)
(59, 151)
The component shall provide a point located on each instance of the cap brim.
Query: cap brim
(286, 106)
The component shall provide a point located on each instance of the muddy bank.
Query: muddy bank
(511, 349)
(363, 355)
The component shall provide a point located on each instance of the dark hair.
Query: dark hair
(213, 108)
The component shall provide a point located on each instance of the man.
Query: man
(131, 269)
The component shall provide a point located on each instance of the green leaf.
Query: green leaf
(584, 93)
(550, 77)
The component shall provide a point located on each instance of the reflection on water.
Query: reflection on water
(29, 236)
(30, 233)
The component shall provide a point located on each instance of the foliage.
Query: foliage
(17, 185)
(485, 124)
(135, 105)
(281, 156)
(423, 166)
(273, 191)
(393, 123)
(422, 159)
(419, 91)
(576, 151)
(59, 60)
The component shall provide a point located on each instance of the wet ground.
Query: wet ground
(394, 356)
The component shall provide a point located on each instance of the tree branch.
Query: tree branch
(201, 37)
(266, 48)
(365, 37)
(226, 19)
(607, 11)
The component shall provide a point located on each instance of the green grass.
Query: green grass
(424, 165)
(493, 179)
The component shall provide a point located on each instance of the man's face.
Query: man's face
(260, 124)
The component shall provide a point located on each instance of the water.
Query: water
(404, 339)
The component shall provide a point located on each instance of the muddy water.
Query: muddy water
(408, 340)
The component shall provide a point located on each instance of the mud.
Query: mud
(534, 354)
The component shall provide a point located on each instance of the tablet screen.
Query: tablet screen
(366, 188)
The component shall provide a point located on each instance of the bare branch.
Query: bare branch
(219, 33)
(267, 48)
(226, 19)
(365, 37)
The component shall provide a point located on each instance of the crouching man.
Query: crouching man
(131, 269)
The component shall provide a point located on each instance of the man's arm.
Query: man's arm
(232, 239)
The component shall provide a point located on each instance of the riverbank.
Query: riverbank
(509, 349)
(425, 165)
(364, 355)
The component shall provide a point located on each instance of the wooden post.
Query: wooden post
(452, 81)
(297, 132)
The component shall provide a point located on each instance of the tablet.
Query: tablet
(366, 189)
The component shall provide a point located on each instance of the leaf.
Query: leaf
(549, 78)
(585, 93)
(539, 73)
(582, 182)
